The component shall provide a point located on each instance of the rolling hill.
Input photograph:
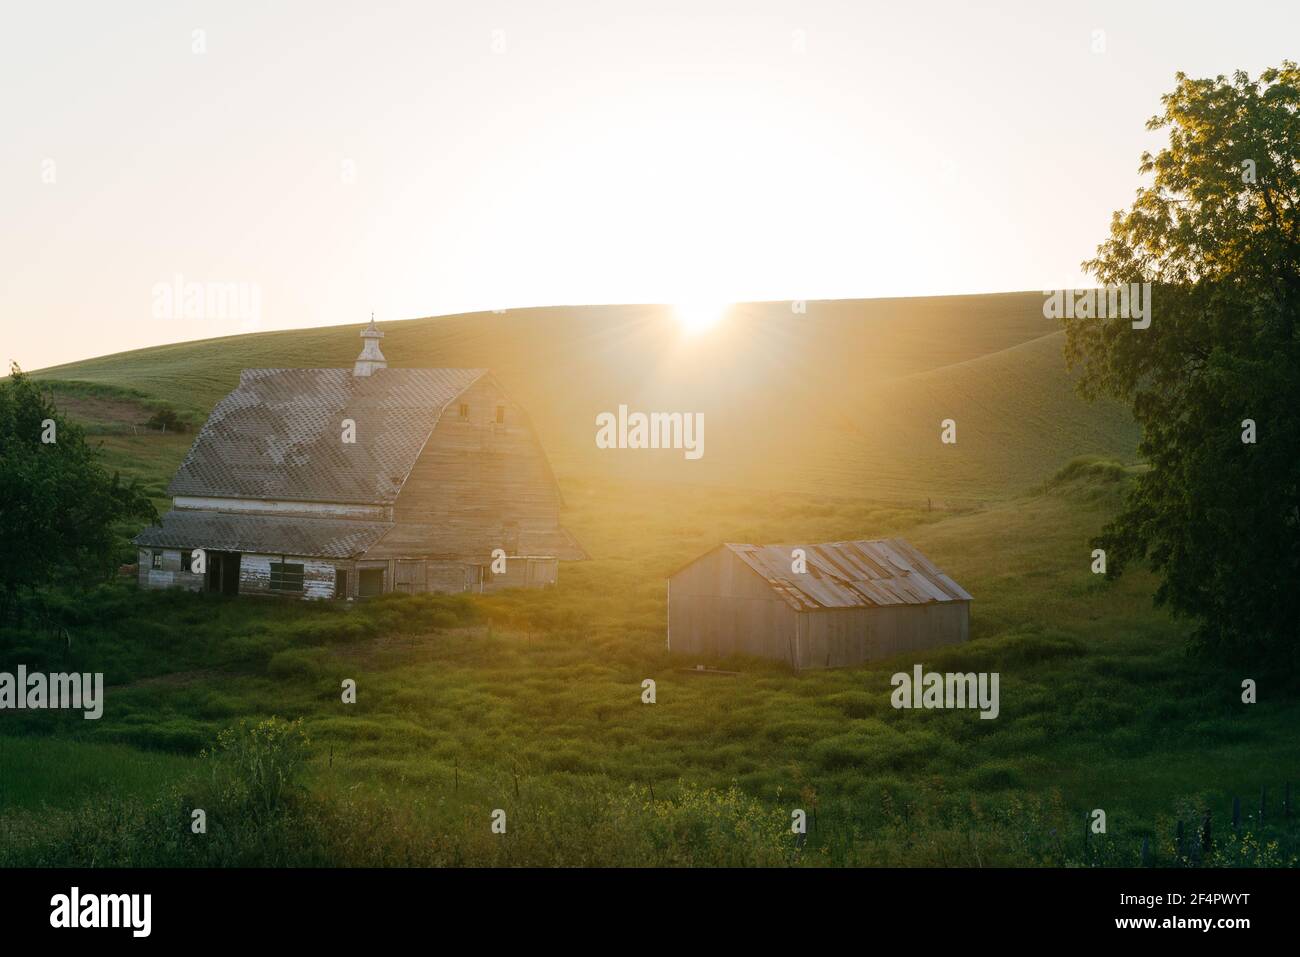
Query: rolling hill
(819, 426)
(843, 400)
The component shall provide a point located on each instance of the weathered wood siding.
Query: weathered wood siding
(450, 576)
(255, 576)
(410, 577)
(522, 572)
(481, 484)
(171, 575)
(719, 606)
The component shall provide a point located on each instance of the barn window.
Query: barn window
(501, 415)
(286, 576)
(156, 560)
(187, 558)
(464, 410)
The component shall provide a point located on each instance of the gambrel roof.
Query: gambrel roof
(279, 435)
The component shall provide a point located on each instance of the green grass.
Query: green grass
(40, 773)
(531, 701)
(819, 427)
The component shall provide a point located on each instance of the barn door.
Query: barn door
(222, 575)
(230, 573)
(370, 582)
(410, 577)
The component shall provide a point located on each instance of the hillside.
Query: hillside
(531, 699)
(843, 400)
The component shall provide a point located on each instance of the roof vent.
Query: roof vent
(371, 359)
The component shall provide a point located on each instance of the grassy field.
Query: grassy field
(531, 702)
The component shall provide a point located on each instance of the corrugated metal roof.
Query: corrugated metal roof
(263, 534)
(278, 435)
(852, 574)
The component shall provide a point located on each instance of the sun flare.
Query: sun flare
(696, 317)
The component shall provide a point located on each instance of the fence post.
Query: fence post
(1178, 842)
(1207, 839)
(1146, 852)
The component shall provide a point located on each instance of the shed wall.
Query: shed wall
(719, 606)
(838, 637)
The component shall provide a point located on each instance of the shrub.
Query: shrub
(255, 767)
(165, 418)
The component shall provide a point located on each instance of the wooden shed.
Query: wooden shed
(815, 606)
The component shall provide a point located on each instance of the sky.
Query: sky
(182, 170)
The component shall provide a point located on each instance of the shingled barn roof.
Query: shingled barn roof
(279, 434)
(265, 534)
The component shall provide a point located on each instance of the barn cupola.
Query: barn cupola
(371, 359)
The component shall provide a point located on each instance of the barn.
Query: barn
(348, 483)
(847, 602)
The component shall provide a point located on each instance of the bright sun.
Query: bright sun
(695, 317)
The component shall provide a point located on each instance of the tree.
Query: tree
(59, 508)
(1217, 233)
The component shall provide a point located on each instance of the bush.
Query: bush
(1088, 469)
(165, 418)
(255, 767)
